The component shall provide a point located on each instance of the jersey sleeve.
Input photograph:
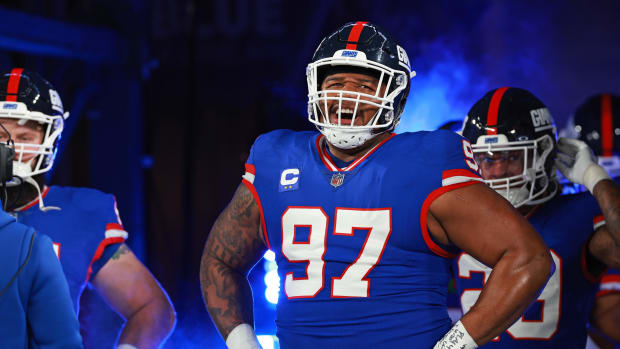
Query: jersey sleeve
(455, 159)
(114, 234)
(51, 318)
(586, 257)
(250, 164)
(451, 159)
(249, 177)
(610, 283)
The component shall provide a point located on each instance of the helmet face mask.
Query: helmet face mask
(375, 56)
(530, 183)
(515, 121)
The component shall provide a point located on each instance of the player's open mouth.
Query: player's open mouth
(346, 115)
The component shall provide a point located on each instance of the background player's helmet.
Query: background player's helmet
(25, 96)
(509, 119)
(363, 48)
(597, 122)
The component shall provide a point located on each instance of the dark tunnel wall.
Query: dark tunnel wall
(210, 76)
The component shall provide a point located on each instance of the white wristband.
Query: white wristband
(242, 337)
(126, 346)
(594, 174)
(456, 338)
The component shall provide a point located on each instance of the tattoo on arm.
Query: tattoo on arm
(234, 245)
(121, 250)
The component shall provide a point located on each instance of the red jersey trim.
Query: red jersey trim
(251, 188)
(424, 217)
(611, 278)
(532, 211)
(102, 245)
(329, 163)
(114, 226)
(602, 293)
(56, 246)
(115, 230)
(598, 222)
(450, 177)
(33, 202)
(250, 173)
(610, 284)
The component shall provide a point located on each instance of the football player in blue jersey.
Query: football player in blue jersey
(597, 122)
(364, 222)
(514, 142)
(35, 306)
(84, 224)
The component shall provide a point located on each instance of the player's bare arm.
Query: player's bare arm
(577, 163)
(233, 246)
(605, 244)
(486, 226)
(605, 319)
(130, 289)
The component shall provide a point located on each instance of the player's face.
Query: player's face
(503, 164)
(353, 82)
(22, 132)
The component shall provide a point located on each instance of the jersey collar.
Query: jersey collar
(329, 163)
(46, 189)
(532, 211)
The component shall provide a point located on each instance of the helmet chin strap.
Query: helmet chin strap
(22, 170)
(516, 196)
(345, 139)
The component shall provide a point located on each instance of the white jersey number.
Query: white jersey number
(522, 329)
(352, 282)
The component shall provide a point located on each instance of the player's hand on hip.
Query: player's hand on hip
(577, 163)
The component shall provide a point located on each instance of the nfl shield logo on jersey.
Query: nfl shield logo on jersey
(337, 180)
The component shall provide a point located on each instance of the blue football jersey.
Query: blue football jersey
(84, 231)
(357, 266)
(557, 319)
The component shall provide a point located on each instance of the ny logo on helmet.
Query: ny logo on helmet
(402, 57)
(541, 118)
(56, 101)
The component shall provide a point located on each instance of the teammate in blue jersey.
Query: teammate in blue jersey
(514, 142)
(597, 122)
(84, 224)
(364, 222)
